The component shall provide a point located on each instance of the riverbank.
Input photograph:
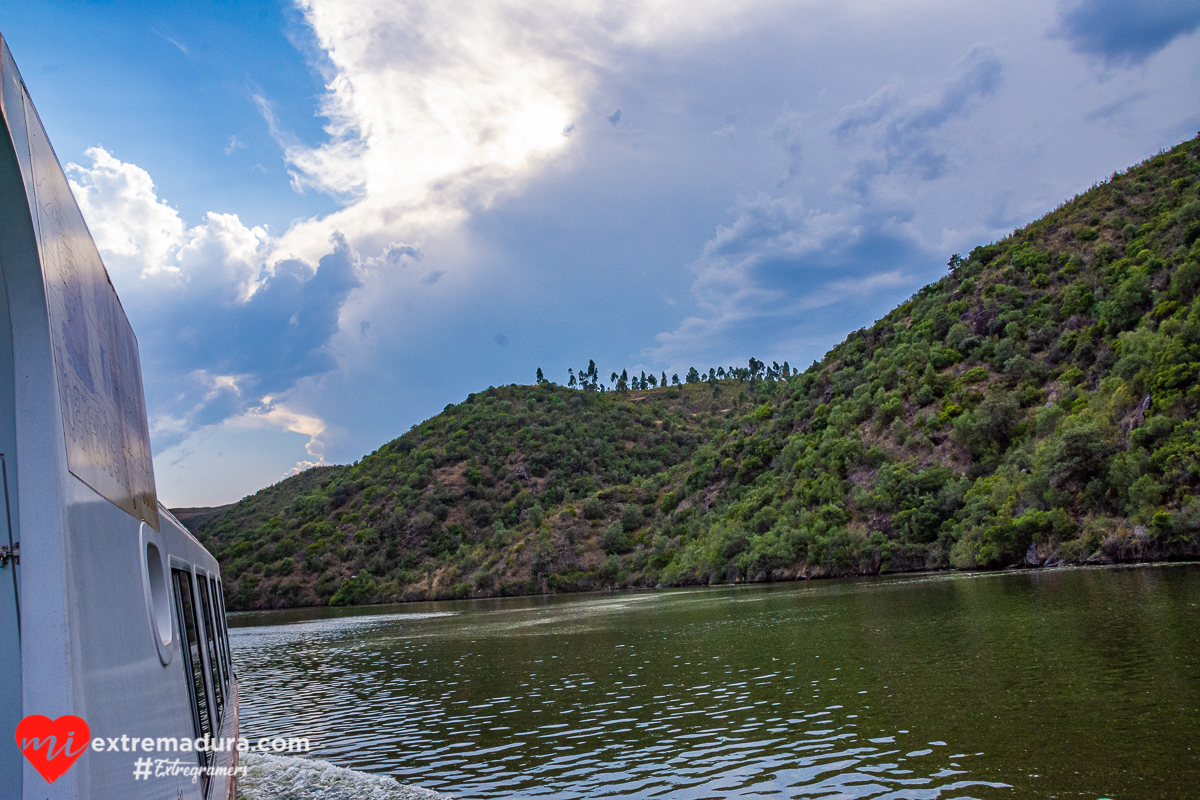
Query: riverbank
(1126, 548)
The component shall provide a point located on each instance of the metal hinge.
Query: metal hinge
(6, 554)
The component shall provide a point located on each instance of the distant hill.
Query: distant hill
(193, 518)
(1037, 405)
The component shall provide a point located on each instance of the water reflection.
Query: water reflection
(964, 686)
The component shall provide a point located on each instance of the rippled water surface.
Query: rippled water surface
(1069, 683)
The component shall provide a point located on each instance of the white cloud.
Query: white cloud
(435, 109)
(272, 413)
(302, 466)
(432, 111)
(210, 298)
(224, 256)
(143, 238)
(138, 233)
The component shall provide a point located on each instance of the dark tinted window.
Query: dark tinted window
(225, 627)
(193, 660)
(210, 633)
(222, 634)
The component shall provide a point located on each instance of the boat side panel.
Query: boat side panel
(15, 237)
(95, 352)
(82, 591)
(12, 107)
(10, 635)
(128, 690)
(48, 683)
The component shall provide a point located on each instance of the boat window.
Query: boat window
(220, 595)
(222, 635)
(159, 601)
(193, 661)
(210, 633)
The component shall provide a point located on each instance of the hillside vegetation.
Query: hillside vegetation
(1037, 405)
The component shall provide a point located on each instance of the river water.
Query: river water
(1073, 683)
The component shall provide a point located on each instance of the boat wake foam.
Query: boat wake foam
(269, 777)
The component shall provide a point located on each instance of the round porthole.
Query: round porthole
(158, 596)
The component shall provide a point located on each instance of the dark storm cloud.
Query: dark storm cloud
(905, 132)
(876, 249)
(797, 273)
(236, 352)
(1116, 108)
(788, 133)
(396, 253)
(802, 271)
(789, 255)
(979, 76)
(1125, 32)
(867, 112)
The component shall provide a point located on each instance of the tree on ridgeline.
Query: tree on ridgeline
(664, 380)
(589, 379)
(675, 379)
(693, 376)
(756, 369)
(540, 377)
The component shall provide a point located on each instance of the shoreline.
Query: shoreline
(618, 590)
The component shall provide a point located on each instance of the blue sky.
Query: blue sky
(328, 220)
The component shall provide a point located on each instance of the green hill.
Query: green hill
(1037, 405)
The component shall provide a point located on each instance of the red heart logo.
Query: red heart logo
(56, 737)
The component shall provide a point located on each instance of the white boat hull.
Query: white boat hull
(92, 623)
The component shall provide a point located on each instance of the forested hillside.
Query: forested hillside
(1037, 405)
